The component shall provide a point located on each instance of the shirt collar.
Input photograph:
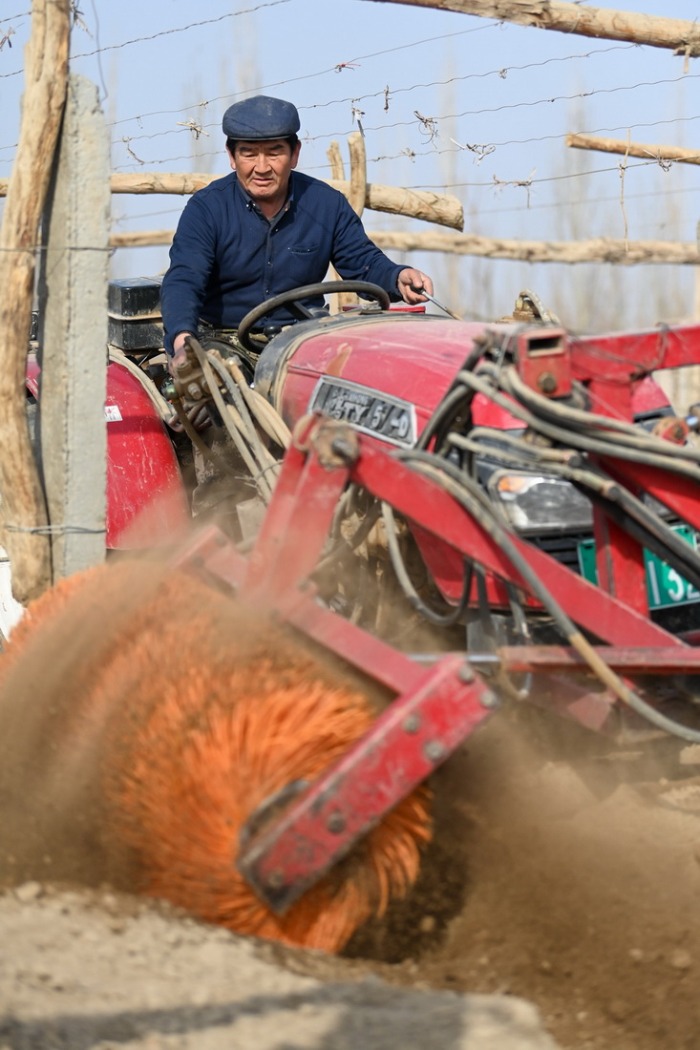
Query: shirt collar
(252, 206)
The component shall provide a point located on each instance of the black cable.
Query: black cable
(447, 619)
(466, 492)
(459, 398)
(342, 545)
(593, 446)
(577, 420)
(662, 541)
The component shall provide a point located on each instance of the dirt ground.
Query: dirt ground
(569, 887)
(559, 876)
(538, 888)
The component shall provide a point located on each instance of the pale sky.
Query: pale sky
(452, 102)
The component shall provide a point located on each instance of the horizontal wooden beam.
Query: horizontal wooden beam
(676, 34)
(439, 208)
(599, 249)
(634, 149)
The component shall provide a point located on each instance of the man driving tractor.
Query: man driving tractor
(265, 229)
(261, 231)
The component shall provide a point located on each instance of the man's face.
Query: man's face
(263, 169)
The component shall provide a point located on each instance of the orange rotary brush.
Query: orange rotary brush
(198, 713)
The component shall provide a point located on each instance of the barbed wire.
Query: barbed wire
(576, 202)
(41, 249)
(531, 180)
(165, 32)
(453, 116)
(430, 125)
(435, 121)
(16, 18)
(536, 139)
(426, 123)
(531, 140)
(182, 29)
(119, 220)
(444, 185)
(502, 73)
(526, 105)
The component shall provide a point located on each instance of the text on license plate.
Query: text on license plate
(665, 586)
(369, 410)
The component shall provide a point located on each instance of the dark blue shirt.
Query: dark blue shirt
(227, 258)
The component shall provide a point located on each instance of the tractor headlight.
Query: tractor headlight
(539, 503)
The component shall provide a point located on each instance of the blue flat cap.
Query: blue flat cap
(260, 117)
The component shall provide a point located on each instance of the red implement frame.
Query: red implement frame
(436, 707)
(609, 365)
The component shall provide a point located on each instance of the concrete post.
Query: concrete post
(73, 336)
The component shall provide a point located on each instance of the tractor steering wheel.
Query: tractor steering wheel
(292, 299)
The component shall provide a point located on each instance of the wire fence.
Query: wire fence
(461, 105)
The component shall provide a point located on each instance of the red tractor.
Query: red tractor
(466, 514)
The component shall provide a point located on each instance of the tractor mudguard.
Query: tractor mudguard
(147, 499)
(146, 494)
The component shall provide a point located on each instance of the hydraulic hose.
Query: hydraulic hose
(257, 470)
(626, 509)
(164, 408)
(263, 412)
(569, 438)
(446, 619)
(589, 422)
(459, 397)
(467, 493)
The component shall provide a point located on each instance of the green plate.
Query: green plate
(665, 586)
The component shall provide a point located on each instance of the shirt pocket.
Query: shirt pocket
(306, 263)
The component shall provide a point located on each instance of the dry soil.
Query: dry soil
(561, 876)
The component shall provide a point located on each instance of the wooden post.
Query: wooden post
(335, 159)
(73, 336)
(23, 517)
(357, 195)
(358, 172)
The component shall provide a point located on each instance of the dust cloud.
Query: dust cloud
(554, 875)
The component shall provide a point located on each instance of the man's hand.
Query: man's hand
(410, 285)
(198, 414)
(179, 352)
(196, 411)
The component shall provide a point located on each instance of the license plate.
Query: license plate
(665, 586)
(368, 410)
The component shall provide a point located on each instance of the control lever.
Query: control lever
(434, 301)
